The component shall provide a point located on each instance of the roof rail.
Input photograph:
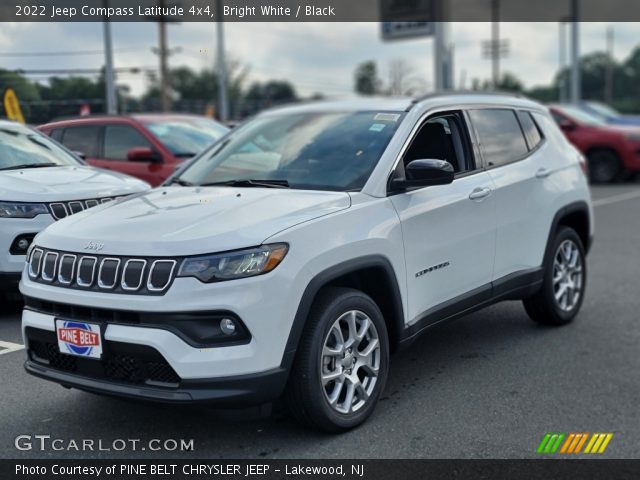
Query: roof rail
(440, 93)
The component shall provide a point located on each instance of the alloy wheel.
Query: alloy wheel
(567, 275)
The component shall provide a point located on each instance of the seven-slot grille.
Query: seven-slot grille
(60, 210)
(103, 273)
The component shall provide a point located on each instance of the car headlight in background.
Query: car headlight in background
(21, 210)
(232, 265)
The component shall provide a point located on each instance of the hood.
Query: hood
(625, 120)
(54, 184)
(190, 220)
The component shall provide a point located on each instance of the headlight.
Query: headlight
(21, 210)
(231, 265)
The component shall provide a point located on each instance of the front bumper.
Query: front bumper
(10, 228)
(242, 390)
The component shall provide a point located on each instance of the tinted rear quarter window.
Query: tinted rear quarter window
(500, 135)
(82, 139)
(531, 132)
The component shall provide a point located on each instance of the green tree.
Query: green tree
(366, 81)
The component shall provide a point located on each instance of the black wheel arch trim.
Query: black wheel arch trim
(575, 207)
(327, 276)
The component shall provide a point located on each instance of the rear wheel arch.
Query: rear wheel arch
(575, 216)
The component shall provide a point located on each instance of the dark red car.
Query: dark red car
(147, 146)
(612, 151)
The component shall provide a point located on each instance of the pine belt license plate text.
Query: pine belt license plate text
(79, 338)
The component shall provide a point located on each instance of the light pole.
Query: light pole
(223, 108)
(110, 86)
(575, 52)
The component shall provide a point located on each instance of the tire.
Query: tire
(549, 306)
(320, 352)
(604, 166)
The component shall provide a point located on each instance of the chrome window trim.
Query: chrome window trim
(73, 267)
(115, 279)
(30, 269)
(150, 287)
(53, 213)
(55, 263)
(123, 283)
(93, 271)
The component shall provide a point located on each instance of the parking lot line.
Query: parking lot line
(8, 347)
(616, 198)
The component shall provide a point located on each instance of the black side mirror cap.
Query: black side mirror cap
(424, 173)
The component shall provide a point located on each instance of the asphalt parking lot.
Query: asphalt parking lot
(487, 386)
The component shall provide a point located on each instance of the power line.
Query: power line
(68, 53)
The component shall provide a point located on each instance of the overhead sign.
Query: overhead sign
(405, 30)
(12, 105)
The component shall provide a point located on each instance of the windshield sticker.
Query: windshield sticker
(377, 127)
(387, 117)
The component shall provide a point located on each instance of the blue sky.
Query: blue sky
(315, 57)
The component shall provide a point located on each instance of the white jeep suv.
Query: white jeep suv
(41, 182)
(293, 256)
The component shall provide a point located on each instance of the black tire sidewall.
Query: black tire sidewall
(348, 300)
(599, 157)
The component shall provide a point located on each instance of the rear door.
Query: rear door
(448, 230)
(83, 139)
(520, 164)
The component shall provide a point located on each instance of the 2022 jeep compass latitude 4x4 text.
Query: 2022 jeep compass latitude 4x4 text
(295, 254)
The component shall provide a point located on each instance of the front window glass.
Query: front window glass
(188, 137)
(313, 150)
(22, 147)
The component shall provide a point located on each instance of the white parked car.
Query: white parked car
(293, 256)
(41, 182)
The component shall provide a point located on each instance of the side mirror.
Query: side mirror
(143, 154)
(82, 155)
(424, 173)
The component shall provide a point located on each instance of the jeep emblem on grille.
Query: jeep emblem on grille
(94, 246)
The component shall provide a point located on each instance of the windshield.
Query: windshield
(186, 137)
(581, 116)
(317, 151)
(602, 109)
(23, 147)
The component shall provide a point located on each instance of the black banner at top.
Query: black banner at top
(319, 10)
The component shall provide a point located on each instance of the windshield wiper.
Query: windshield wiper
(30, 165)
(250, 183)
(181, 182)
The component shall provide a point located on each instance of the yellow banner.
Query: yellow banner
(12, 105)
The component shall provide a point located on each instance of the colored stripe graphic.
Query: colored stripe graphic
(553, 442)
(550, 443)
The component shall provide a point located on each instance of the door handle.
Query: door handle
(543, 173)
(479, 193)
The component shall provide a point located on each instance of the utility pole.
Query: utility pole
(495, 42)
(608, 81)
(562, 62)
(575, 52)
(165, 100)
(109, 77)
(221, 67)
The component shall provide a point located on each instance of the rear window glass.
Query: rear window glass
(530, 129)
(500, 135)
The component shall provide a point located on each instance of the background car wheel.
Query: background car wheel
(342, 362)
(565, 279)
(604, 166)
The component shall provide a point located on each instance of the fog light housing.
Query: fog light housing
(21, 244)
(227, 326)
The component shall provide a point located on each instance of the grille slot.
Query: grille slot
(60, 210)
(150, 276)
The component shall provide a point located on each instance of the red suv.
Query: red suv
(149, 147)
(611, 150)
